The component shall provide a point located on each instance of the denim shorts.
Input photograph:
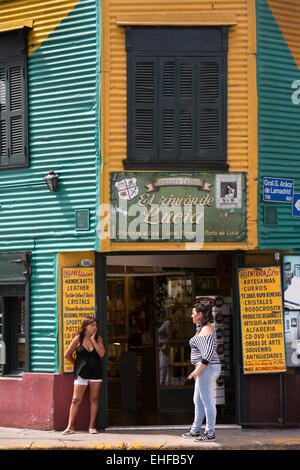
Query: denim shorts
(81, 381)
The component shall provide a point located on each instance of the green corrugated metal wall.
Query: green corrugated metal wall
(63, 75)
(278, 120)
(43, 319)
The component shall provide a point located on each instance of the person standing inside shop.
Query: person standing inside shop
(89, 349)
(207, 370)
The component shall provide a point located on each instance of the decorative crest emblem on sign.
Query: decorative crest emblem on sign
(127, 188)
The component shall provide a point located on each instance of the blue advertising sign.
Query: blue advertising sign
(296, 205)
(278, 189)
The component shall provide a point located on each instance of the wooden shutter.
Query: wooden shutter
(13, 116)
(187, 108)
(178, 111)
(190, 109)
(144, 117)
(168, 116)
(177, 98)
(177, 103)
(210, 109)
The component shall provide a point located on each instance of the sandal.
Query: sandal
(68, 431)
(93, 431)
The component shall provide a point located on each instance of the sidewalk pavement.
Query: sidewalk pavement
(150, 438)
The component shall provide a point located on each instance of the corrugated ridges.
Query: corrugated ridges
(240, 104)
(43, 323)
(63, 98)
(62, 107)
(278, 122)
(47, 15)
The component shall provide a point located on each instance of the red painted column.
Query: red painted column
(40, 401)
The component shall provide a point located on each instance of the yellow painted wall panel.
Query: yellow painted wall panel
(287, 15)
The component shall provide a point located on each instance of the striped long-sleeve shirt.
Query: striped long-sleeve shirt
(203, 349)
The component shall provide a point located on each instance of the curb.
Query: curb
(127, 446)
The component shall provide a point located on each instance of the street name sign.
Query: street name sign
(278, 189)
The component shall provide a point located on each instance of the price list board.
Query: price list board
(78, 303)
(262, 327)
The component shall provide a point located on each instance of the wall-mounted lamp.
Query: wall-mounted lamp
(52, 181)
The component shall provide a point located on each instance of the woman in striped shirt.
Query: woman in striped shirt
(207, 370)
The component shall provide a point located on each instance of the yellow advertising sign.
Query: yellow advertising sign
(262, 320)
(78, 303)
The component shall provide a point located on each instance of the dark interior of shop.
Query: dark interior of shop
(149, 306)
(12, 333)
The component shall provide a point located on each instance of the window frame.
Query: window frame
(133, 161)
(10, 336)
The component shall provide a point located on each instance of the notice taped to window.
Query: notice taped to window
(262, 327)
(78, 303)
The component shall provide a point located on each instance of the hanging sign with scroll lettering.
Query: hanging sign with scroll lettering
(177, 206)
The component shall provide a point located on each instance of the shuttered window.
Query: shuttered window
(177, 108)
(13, 106)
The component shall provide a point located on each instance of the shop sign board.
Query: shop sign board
(78, 302)
(278, 189)
(177, 206)
(262, 329)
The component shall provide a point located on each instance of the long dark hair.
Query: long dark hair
(87, 321)
(206, 310)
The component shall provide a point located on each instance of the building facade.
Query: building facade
(179, 129)
(163, 121)
(194, 94)
(278, 151)
(58, 46)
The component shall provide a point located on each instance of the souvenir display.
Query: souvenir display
(223, 326)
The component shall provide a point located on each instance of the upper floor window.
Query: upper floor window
(176, 97)
(13, 99)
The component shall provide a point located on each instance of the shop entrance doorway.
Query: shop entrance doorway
(149, 305)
